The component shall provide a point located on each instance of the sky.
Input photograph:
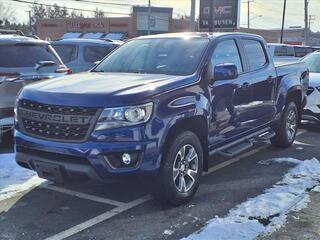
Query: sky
(265, 14)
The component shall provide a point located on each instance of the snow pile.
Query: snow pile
(266, 212)
(13, 178)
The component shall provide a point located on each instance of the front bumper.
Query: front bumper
(310, 116)
(312, 108)
(88, 158)
(6, 120)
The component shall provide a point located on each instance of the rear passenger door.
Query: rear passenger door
(261, 76)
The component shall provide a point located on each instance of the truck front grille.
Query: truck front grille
(56, 122)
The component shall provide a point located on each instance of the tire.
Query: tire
(286, 129)
(169, 187)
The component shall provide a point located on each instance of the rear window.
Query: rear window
(67, 52)
(26, 55)
(255, 53)
(96, 53)
(283, 51)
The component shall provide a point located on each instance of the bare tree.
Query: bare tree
(6, 14)
(98, 13)
(56, 11)
(76, 14)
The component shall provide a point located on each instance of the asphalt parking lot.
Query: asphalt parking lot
(125, 209)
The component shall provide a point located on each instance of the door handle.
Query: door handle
(245, 85)
(270, 79)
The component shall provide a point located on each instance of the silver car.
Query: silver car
(81, 54)
(23, 60)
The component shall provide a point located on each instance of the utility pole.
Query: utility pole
(306, 27)
(149, 16)
(249, 2)
(312, 18)
(193, 15)
(211, 17)
(30, 19)
(283, 19)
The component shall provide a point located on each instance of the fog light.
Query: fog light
(126, 158)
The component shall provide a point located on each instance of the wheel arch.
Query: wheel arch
(196, 124)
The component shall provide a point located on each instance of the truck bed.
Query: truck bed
(298, 68)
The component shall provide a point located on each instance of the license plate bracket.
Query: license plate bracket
(52, 172)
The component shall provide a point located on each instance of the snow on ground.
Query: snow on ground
(266, 212)
(13, 178)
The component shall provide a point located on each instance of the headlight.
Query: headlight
(16, 110)
(124, 116)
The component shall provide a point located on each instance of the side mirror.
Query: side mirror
(225, 71)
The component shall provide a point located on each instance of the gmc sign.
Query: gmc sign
(219, 14)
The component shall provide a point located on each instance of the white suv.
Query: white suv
(312, 109)
(23, 60)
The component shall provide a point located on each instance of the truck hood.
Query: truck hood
(103, 89)
(314, 79)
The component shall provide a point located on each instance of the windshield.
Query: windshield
(25, 55)
(312, 62)
(156, 56)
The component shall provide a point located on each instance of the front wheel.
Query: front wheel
(180, 170)
(287, 128)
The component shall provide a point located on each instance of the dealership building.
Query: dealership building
(161, 21)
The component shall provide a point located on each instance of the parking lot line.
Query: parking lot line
(98, 219)
(83, 195)
(126, 206)
(233, 160)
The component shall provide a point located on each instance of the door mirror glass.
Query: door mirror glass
(226, 71)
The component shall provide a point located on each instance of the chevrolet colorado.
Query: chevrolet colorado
(160, 106)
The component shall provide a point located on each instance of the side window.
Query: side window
(95, 53)
(227, 52)
(256, 55)
(67, 53)
(280, 51)
(290, 51)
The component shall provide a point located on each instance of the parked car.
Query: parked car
(23, 60)
(158, 107)
(81, 54)
(312, 109)
(285, 53)
(301, 51)
(282, 53)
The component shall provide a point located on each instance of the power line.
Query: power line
(105, 3)
(70, 8)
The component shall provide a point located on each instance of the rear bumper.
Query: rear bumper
(88, 158)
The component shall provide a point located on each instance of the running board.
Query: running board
(242, 144)
(265, 136)
(236, 149)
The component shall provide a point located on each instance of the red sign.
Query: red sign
(85, 25)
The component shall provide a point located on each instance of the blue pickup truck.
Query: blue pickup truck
(159, 106)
